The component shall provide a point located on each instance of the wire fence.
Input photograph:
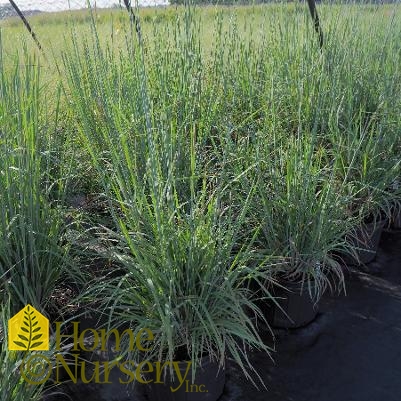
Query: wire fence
(30, 7)
(23, 8)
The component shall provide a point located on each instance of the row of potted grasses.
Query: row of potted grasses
(223, 172)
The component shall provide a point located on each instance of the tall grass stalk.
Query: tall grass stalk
(32, 254)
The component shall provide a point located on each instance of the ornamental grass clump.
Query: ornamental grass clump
(300, 213)
(327, 104)
(183, 281)
(173, 237)
(361, 129)
(32, 253)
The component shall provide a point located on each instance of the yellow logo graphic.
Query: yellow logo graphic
(28, 330)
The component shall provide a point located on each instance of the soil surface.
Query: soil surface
(351, 352)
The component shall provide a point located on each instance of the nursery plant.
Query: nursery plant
(305, 212)
(302, 220)
(368, 174)
(174, 239)
(183, 281)
(32, 253)
(362, 128)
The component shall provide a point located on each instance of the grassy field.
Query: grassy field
(154, 179)
(254, 23)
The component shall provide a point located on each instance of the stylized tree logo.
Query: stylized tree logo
(28, 330)
(30, 327)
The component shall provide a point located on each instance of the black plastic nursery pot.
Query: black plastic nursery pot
(207, 386)
(396, 218)
(365, 240)
(297, 307)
